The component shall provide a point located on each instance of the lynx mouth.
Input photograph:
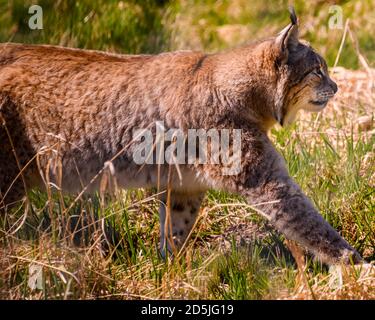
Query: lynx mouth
(320, 103)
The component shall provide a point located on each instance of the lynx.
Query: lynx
(79, 108)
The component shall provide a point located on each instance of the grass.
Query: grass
(233, 253)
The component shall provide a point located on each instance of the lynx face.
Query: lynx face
(311, 85)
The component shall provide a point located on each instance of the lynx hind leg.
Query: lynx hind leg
(13, 184)
(12, 189)
(13, 142)
(184, 209)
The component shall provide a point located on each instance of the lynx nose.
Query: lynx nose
(333, 85)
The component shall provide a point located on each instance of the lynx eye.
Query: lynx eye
(318, 72)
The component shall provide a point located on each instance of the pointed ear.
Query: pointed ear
(287, 39)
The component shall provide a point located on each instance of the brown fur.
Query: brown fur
(78, 108)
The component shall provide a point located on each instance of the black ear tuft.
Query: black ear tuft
(293, 16)
(287, 40)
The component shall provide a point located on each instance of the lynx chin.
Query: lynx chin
(77, 110)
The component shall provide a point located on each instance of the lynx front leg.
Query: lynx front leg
(265, 182)
(184, 209)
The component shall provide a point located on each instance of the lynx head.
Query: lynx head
(271, 80)
(302, 75)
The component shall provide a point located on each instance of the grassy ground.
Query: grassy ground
(233, 253)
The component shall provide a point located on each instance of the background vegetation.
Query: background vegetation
(151, 26)
(233, 253)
